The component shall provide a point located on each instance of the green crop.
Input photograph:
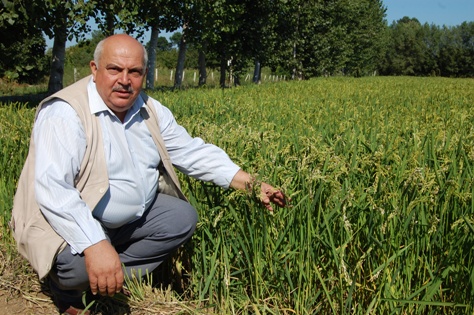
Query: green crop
(380, 172)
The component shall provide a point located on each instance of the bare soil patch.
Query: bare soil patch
(17, 303)
(21, 292)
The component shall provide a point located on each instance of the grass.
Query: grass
(380, 171)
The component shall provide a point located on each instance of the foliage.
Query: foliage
(61, 20)
(81, 54)
(163, 44)
(429, 50)
(300, 39)
(175, 39)
(22, 48)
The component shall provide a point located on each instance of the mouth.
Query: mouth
(123, 91)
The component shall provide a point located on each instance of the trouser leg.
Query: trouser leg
(144, 244)
(141, 245)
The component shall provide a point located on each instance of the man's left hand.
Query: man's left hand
(271, 195)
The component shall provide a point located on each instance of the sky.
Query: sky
(438, 12)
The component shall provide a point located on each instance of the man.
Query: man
(91, 207)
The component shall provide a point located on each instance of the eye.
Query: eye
(113, 70)
(136, 73)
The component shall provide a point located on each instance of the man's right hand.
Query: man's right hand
(104, 268)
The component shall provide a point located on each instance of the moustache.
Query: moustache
(122, 89)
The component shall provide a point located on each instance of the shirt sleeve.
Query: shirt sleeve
(60, 145)
(193, 156)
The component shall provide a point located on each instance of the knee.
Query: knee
(172, 218)
(182, 223)
(188, 219)
(68, 283)
(69, 272)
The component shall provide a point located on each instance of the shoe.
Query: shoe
(68, 302)
(75, 311)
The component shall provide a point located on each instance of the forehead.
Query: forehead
(120, 54)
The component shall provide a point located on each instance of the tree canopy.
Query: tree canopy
(22, 47)
(302, 39)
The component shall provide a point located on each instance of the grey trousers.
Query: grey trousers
(142, 245)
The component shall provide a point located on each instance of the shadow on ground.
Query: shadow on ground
(31, 99)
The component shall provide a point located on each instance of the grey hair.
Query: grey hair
(100, 48)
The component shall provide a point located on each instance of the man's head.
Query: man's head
(118, 70)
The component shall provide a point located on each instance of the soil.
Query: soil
(25, 295)
(12, 302)
(21, 292)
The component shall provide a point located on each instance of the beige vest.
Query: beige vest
(35, 238)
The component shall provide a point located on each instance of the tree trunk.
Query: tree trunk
(202, 67)
(150, 77)
(59, 56)
(178, 79)
(236, 79)
(110, 23)
(257, 72)
(223, 71)
(294, 71)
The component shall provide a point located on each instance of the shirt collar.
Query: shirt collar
(97, 105)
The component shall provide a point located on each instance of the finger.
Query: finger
(119, 280)
(278, 198)
(269, 207)
(280, 195)
(93, 285)
(102, 286)
(111, 286)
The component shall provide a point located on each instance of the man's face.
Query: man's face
(119, 73)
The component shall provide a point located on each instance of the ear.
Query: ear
(93, 67)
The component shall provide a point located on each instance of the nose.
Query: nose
(124, 77)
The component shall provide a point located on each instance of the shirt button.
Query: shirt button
(101, 190)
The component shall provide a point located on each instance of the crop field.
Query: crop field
(380, 171)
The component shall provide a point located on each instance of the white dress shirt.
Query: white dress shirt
(131, 157)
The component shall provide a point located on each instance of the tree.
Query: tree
(211, 27)
(365, 35)
(163, 44)
(406, 47)
(336, 37)
(178, 80)
(110, 15)
(175, 39)
(22, 46)
(61, 20)
(466, 60)
(258, 34)
(429, 61)
(80, 55)
(157, 16)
